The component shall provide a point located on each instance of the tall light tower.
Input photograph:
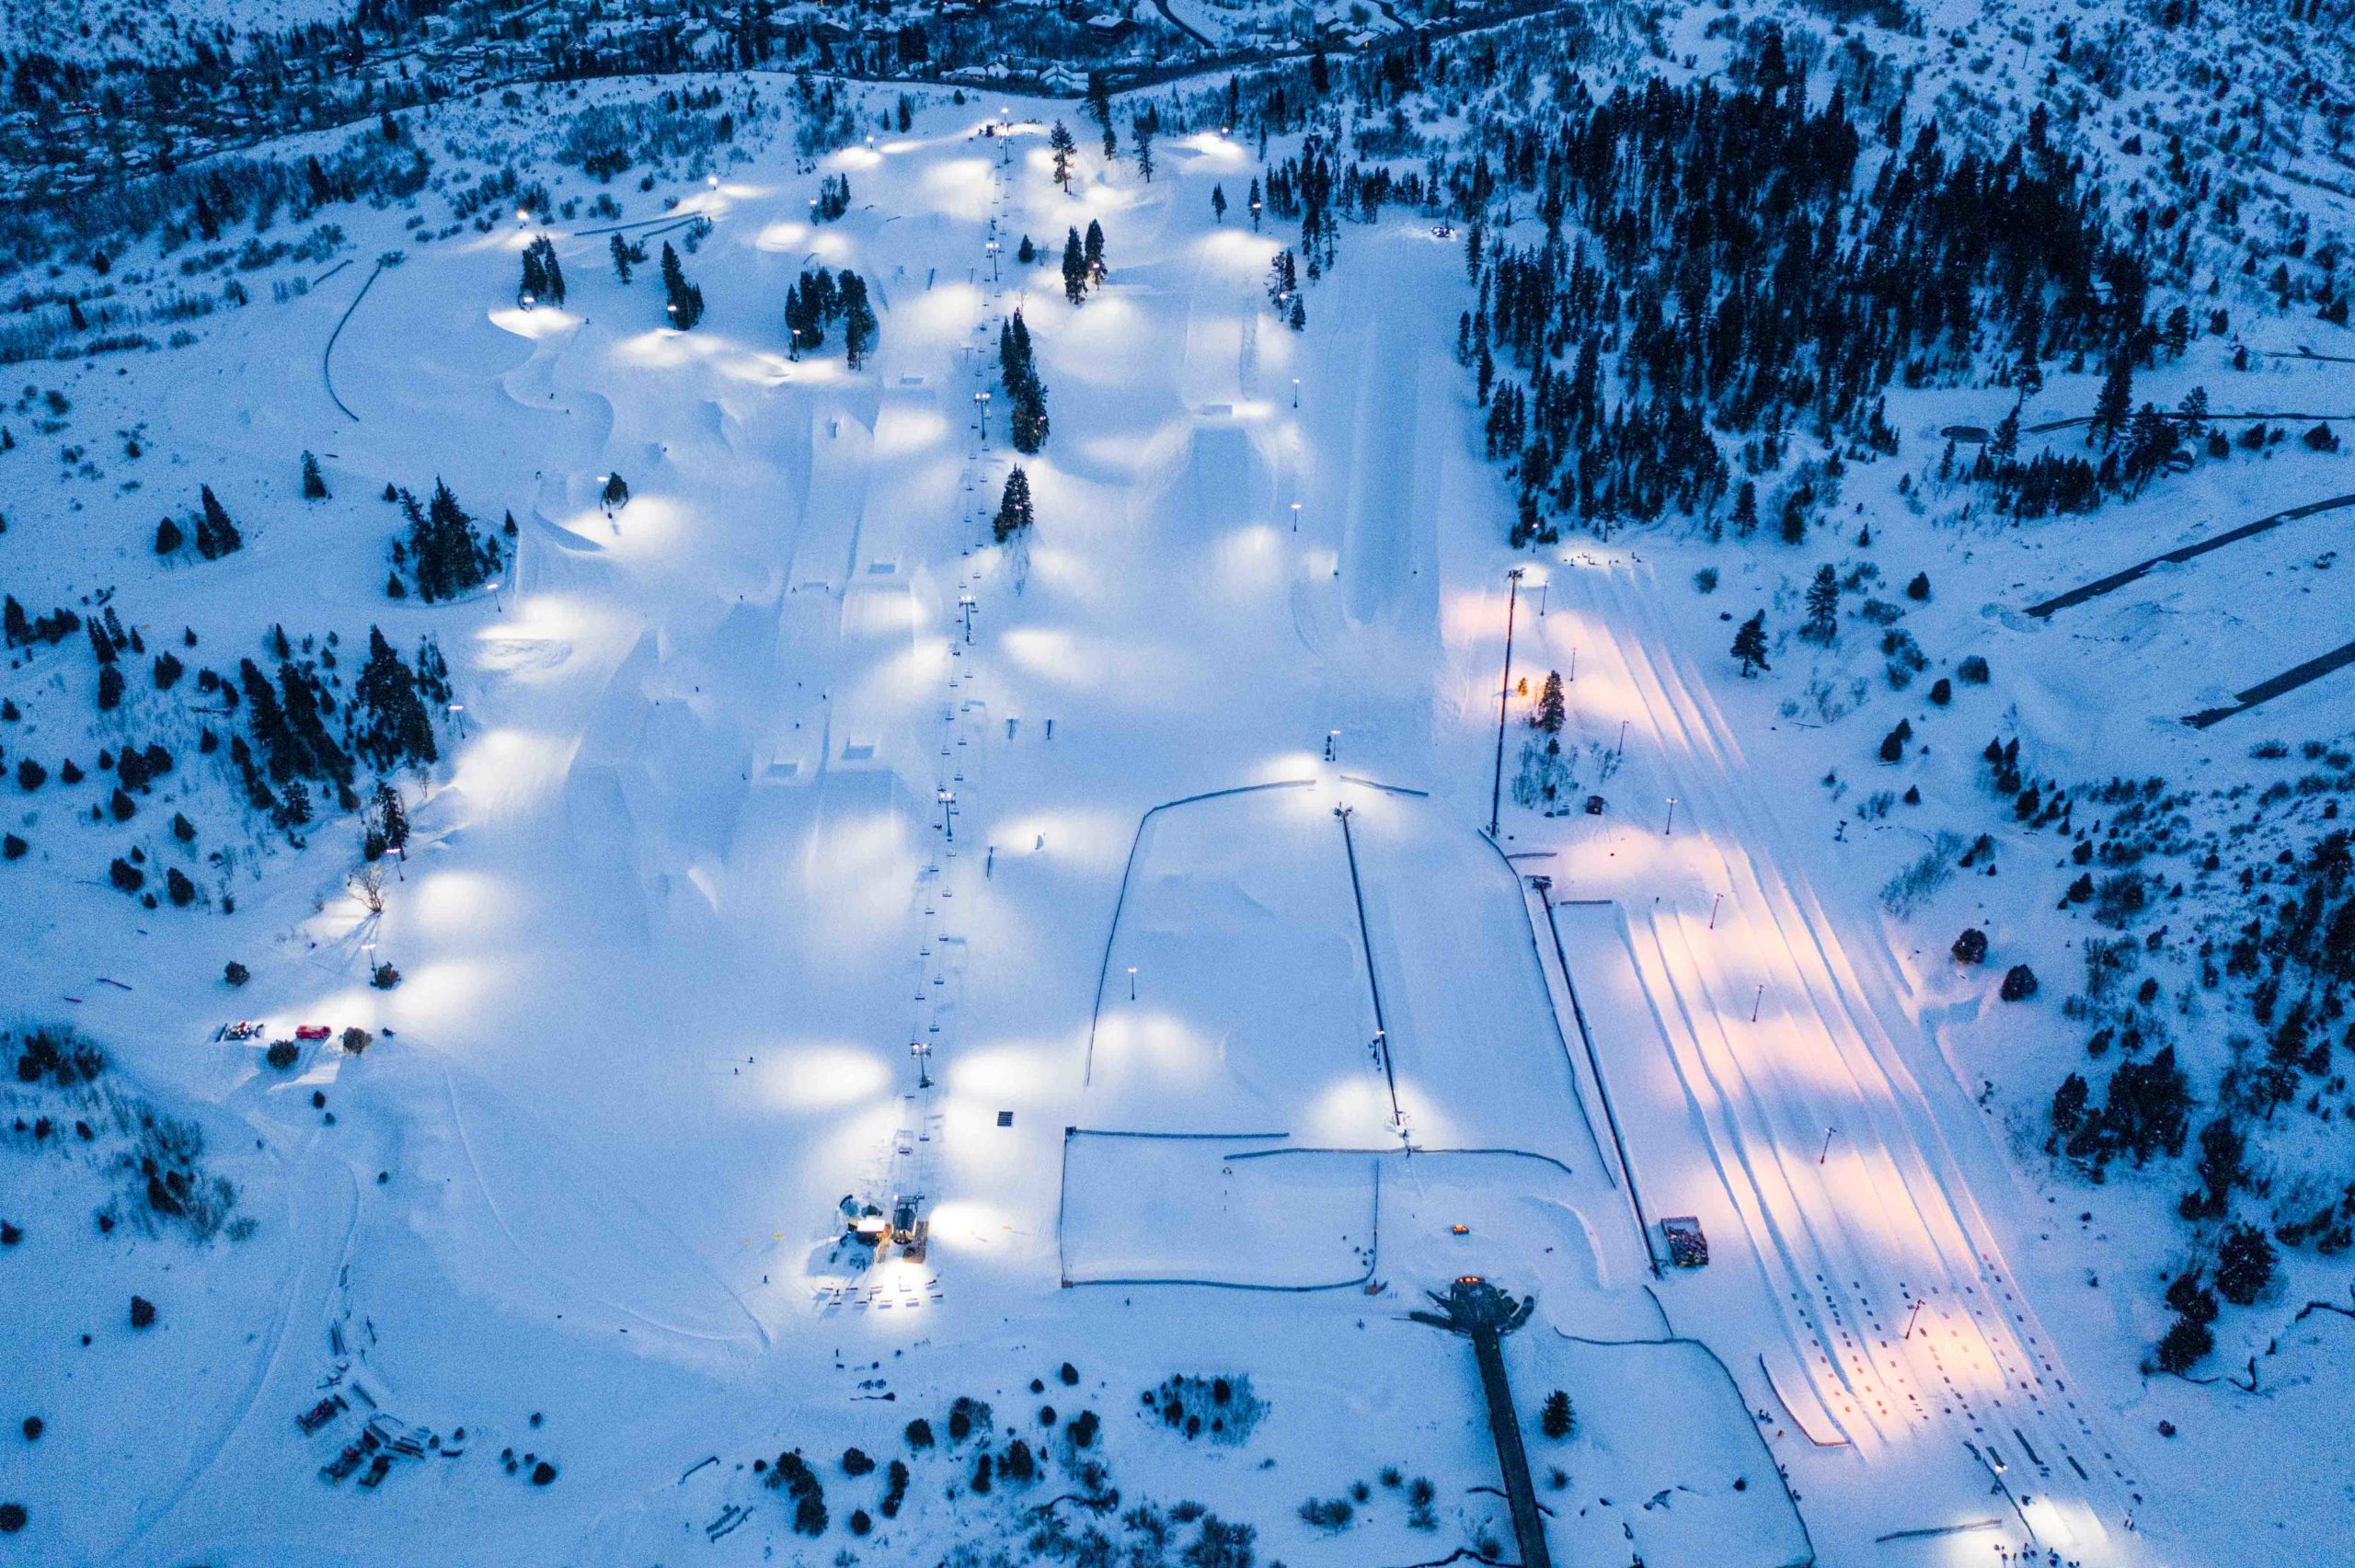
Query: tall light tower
(1504, 700)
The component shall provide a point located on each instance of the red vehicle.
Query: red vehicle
(313, 1032)
(343, 1464)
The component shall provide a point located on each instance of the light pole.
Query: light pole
(1504, 702)
(1912, 1315)
(1826, 1154)
(1622, 737)
(1295, 517)
(949, 813)
(922, 1053)
(459, 715)
(1669, 831)
(1757, 1001)
(1133, 982)
(965, 603)
(1295, 392)
(1715, 899)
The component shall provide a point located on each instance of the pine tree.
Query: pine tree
(1059, 141)
(1013, 513)
(1218, 204)
(215, 535)
(1823, 624)
(168, 538)
(622, 258)
(1141, 133)
(1750, 644)
(314, 484)
(2245, 1260)
(390, 724)
(1092, 247)
(392, 816)
(2114, 404)
(1551, 708)
(860, 328)
(1558, 1421)
(683, 301)
(1075, 268)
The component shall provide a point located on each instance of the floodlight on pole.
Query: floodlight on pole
(1133, 982)
(1669, 831)
(1504, 702)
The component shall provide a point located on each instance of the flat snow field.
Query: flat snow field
(755, 882)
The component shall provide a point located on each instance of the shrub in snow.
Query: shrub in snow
(1083, 1430)
(855, 1463)
(13, 847)
(1558, 1420)
(2183, 1345)
(282, 1054)
(234, 973)
(2243, 1263)
(1327, 1513)
(385, 978)
(1070, 1375)
(1919, 588)
(919, 1433)
(143, 1312)
(1971, 948)
(356, 1040)
(181, 891)
(13, 1518)
(542, 1473)
(860, 1523)
(1972, 671)
(126, 876)
(2019, 983)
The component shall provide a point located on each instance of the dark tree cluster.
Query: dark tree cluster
(1026, 395)
(444, 553)
(819, 299)
(1713, 262)
(683, 301)
(542, 276)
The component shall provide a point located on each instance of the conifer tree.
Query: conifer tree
(1551, 708)
(1059, 141)
(622, 256)
(215, 535)
(314, 484)
(1013, 513)
(1823, 607)
(1750, 644)
(683, 300)
(1075, 268)
(860, 328)
(390, 724)
(2115, 401)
